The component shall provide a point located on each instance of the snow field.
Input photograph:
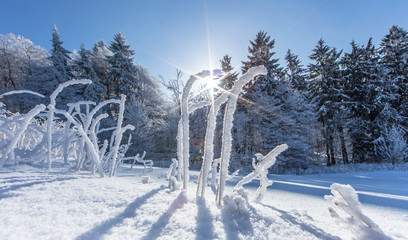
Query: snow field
(38, 204)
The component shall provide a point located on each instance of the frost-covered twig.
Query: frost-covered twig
(261, 170)
(227, 126)
(345, 198)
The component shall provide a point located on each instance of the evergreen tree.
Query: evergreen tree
(272, 113)
(261, 54)
(363, 91)
(295, 72)
(122, 74)
(394, 62)
(228, 81)
(60, 58)
(326, 91)
(99, 59)
(83, 69)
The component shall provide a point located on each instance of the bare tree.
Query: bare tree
(175, 86)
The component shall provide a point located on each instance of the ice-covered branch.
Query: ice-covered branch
(61, 87)
(345, 198)
(197, 106)
(227, 126)
(22, 92)
(118, 135)
(261, 171)
(184, 137)
(51, 110)
(209, 142)
(84, 135)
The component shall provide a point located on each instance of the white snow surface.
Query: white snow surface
(59, 204)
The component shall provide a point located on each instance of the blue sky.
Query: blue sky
(168, 34)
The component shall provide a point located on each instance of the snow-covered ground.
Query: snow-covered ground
(57, 204)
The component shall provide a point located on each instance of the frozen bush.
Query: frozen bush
(345, 199)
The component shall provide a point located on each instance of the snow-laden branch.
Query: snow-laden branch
(261, 171)
(228, 122)
(22, 92)
(97, 108)
(84, 135)
(345, 198)
(51, 110)
(197, 106)
(61, 87)
(118, 135)
(209, 142)
(184, 127)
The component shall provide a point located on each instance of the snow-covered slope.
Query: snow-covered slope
(39, 204)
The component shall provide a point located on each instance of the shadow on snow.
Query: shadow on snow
(129, 212)
(205, 227)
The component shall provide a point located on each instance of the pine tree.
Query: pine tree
(394, 62)
(99, 58)
(295, 72)
(261, 54)
(228, 81)
(326, 92)
(83, 69)
(122, 74)
(60, 58)
(362, 89)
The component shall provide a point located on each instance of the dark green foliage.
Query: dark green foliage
(228, 81)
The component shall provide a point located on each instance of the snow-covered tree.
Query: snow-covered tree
(83, 69)
(326, 91)
(17, 54)
(122, 74)
(18, 57)
(60, 58)
(295, 72)
(365, 97)
(261, 55)
(99, 59)
(394, 63)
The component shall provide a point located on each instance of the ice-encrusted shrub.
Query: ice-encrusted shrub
(346, 200)
(261, 171)
(392, 146)
(62, 132)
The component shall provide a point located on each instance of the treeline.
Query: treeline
(343, 107)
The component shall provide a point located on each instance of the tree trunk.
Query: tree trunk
(343, 146)
(326, 139)
(333, 160)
